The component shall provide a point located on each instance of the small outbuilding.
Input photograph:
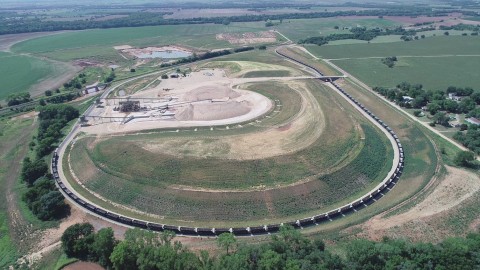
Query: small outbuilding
(473, 121)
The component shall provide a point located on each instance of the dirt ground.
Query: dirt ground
(137, 52)
(248, 38)
(50, 238)
(83, 266)
(203, 98)
(290, 137)
(454, 189)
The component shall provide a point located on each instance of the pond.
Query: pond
(170, 54)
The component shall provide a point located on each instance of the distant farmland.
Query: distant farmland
(456, 45)
(100, 42)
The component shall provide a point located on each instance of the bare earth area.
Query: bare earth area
(149, 52)
(238, 69)
(50, 238)
(290, 137)
(454, 189)
(83, 266)
(203, 98)
(248, 38)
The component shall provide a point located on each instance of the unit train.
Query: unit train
(366, 200)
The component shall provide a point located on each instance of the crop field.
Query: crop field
(434, 46)
(178, 188)
(460, 71)
(434, 62)
(20, 73)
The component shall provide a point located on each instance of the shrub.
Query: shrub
(464, 158)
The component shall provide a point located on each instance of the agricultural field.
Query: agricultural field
(449, 60)
(460, 71)
(303, 28)
(99, 43)
(434, 46)
(20, 73)
(184, 182)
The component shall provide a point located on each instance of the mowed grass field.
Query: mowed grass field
(101, 169)
(435, 62)
(21, 72)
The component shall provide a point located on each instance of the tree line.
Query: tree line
(288, 249)
(461, 27)
(197, 57)
(439, 103)
(362, 33)
(433, 100)
(42, 197)
(136, 19)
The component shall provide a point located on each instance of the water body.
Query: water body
(165, 54)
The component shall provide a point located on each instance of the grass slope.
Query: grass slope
(180, 206)
(10, 132)
(420, 165)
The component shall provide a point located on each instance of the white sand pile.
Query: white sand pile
(213, 111)
(211, 92)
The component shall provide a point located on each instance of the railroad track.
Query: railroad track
(374, 195)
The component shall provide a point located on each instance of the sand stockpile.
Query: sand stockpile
(213, 111)
(220, 92)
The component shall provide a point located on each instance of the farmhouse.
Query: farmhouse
(407, 99)
(453, 96)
